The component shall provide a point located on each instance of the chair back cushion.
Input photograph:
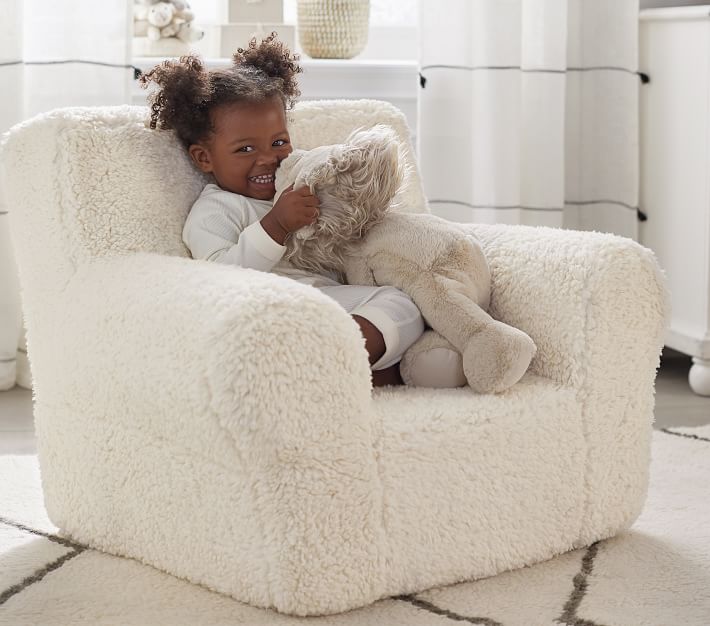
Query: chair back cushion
(85, 182)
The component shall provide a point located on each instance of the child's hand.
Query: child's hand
(294, 209)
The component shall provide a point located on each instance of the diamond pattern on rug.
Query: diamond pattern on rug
(541, 590)
(657, 572)
(24, 557)
(96, 588)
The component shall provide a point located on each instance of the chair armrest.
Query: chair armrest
(265, 347)
(243, 368)
(597, 307)
(595, 304)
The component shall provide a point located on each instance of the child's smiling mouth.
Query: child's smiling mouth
(263, 179)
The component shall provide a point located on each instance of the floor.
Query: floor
(676, 405)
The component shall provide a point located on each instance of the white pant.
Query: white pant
(390, 310)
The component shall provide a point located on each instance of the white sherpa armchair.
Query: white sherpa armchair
(218, 423)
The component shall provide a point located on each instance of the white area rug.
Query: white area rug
(657, 574)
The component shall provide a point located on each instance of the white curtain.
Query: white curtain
(529, 113)
(52, 54)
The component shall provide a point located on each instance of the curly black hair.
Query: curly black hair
(187, 92)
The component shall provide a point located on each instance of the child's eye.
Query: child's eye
(244, 149)
(280, 142)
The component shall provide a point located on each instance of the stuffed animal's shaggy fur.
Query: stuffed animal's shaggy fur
(355, 181)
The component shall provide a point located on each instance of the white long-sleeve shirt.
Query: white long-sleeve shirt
(225, 227)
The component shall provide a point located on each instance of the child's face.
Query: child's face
(247, 146)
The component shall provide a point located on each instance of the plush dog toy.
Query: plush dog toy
(361, 234)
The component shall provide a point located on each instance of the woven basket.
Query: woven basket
(333, 29)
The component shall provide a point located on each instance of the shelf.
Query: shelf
(676, 13)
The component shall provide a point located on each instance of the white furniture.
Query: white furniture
(247, 19)
(675, 171)
(219, 423)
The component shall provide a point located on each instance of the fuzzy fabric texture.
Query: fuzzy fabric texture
(655, 574)
(219, 424)
(438, 264)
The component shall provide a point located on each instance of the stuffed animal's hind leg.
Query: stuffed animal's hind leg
(495, 355)
(432, 362)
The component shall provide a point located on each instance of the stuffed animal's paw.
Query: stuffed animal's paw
(497, 357)
(432, 361)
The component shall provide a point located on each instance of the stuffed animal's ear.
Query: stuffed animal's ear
(323, 167)
(372, 157)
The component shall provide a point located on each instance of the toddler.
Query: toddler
(233, 124)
